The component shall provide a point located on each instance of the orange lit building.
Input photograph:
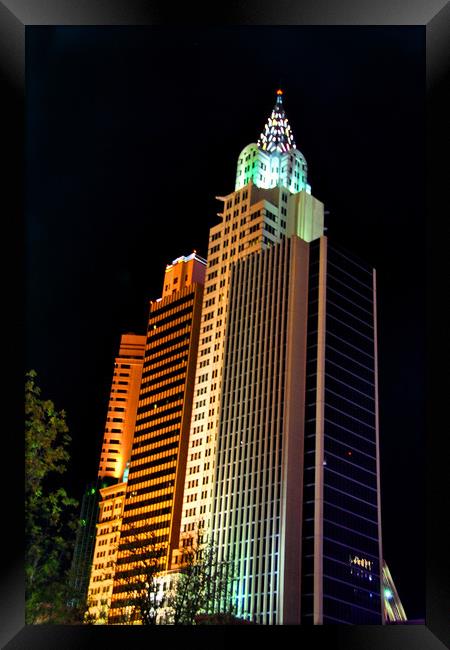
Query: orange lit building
(122, 406)
(115, 454)
(154, 498)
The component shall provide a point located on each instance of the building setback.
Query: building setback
(153, 503)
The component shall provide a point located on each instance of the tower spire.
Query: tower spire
(277, 134)
(274, 161)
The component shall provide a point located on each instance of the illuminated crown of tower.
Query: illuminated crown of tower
(275, 160)
(277, 134)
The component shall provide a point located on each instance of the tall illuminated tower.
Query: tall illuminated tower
(285, 474)
(261, 212)
(152, 510)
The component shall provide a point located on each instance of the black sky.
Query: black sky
(132, 132)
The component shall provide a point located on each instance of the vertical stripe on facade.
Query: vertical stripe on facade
(319, 452)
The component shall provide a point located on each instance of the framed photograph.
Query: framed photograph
(128, 128)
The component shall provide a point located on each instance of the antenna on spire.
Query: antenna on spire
(277, 134)
(279, 92)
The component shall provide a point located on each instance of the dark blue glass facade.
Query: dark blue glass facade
(350, 561)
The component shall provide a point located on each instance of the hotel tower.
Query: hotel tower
(150, 525)
(285, 475)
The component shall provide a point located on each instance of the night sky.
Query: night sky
(133, 132)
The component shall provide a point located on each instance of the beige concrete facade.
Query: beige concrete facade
(253, 219)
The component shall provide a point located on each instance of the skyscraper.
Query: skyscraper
(257, 215)
(285, 417)
(115, 453)
(152, 510)
(341, 501)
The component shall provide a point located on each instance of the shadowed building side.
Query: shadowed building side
(112, 499)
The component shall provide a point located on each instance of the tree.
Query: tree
(93, 615)
(203, 585)
(49, 523)
(141, 586)
(202, 588)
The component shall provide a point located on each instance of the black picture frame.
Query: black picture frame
(14, 18)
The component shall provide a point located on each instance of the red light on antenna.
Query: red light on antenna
(279, 92)
(349, 453)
